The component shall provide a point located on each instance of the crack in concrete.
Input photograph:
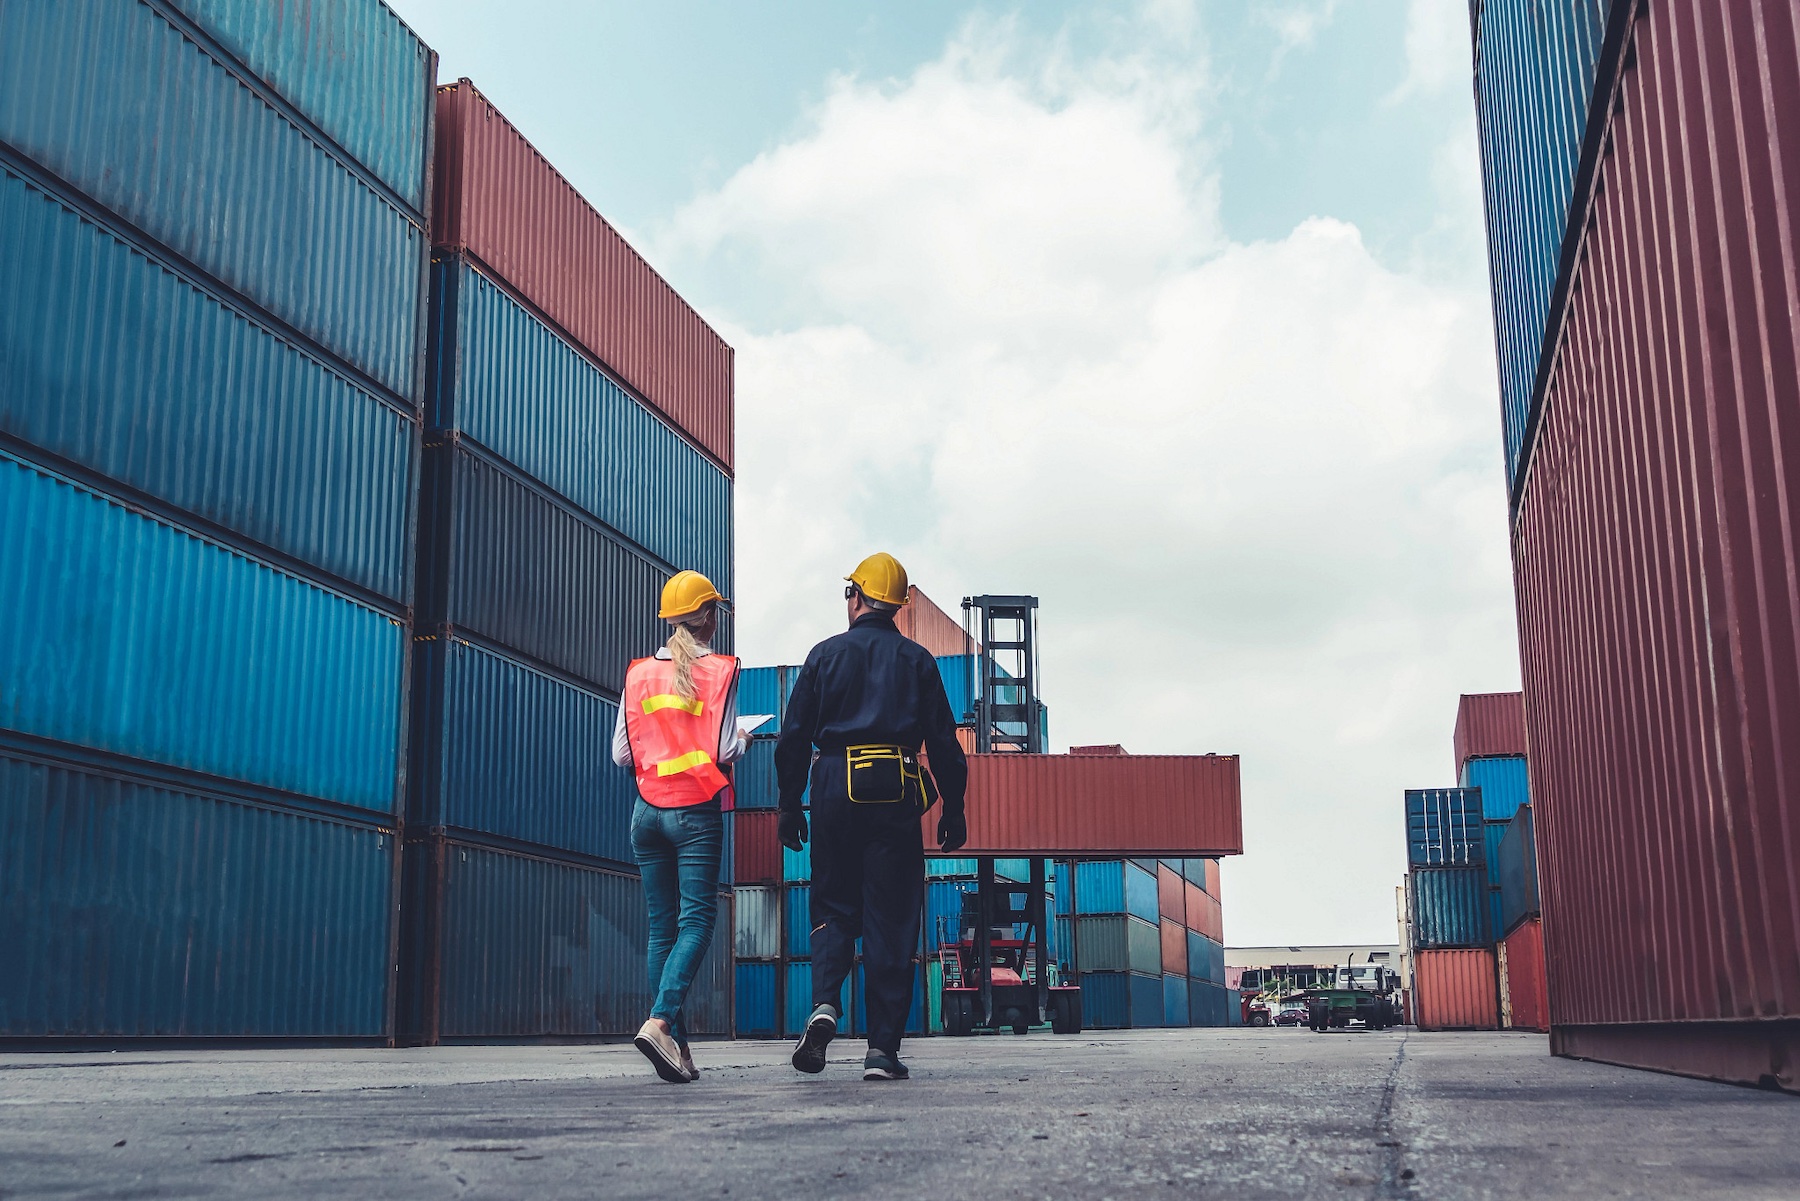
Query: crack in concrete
(1393, 1182)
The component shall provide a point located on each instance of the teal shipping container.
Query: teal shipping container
(161, 126)
(1121, 1000)
(143, 639)
(245, 431)
(1115, 886)
(1449, 907)
(1175, 1000)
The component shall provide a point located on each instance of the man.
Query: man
(868, 699)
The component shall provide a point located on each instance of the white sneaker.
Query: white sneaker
(662, 1051)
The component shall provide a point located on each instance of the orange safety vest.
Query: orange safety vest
(673, 741)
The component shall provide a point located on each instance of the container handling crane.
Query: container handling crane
(994, 977)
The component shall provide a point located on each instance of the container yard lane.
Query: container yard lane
(1240, 1113)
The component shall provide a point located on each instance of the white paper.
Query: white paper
(747, 724)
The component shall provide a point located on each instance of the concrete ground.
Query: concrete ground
(1228, 1113)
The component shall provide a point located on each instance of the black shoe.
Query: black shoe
(879, 1065)
(821, 1028)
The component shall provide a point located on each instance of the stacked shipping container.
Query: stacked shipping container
(1654, 561)
(577, 454)
(207, 554)
(1147, 942)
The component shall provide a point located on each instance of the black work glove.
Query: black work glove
(953, 830)
(793, 829)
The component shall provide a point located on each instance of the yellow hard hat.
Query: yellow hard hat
(685, 592)
(880, 578)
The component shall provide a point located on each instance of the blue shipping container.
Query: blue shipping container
(156, 128)
(1115, 886)
(242, 427)
(1206, 958)
(132, 636)
(501, 748)
(937, 868)
(139, 909)
(1211, 1005)
(759, 692)
(528, 946)
(503, 378)
(1121, 1000)
(351, 67)
(943, 912)
(757, 1011)
(1518, 873)
(796, 917)
(1535, 66)
(799, 1002)
(1234, 1007)
(1175, 1000)
(1450, 907)
(1504, 784)
(1443, 827)
(506, 560)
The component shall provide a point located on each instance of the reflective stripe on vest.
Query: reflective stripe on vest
(673, 741)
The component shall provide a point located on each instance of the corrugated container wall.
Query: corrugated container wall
(921, 620)
(1527, 1000)
(1534, 79)
(1503, 781)
(1444, 827)
(1456, 990)
(246, 429)
(1657, 567)
(499, 200)
(1518, 872)
(1077, 804)
(1449, 907)
(157, 126)
(758, 1000)
(211, 661)
(144, 910)
(1489, 724)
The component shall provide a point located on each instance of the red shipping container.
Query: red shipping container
(1212, 879)
(931, 627)
(1524, 992)
(1171, 895)
(1101, 806)
(1456, 990)
(757, 842)
(1194, 908)
(498, 200)
(1489, 723)
(1657, 565)
(1174, 948)
(1214, 925)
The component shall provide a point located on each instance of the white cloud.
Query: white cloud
(1254, 485)
(1437, 47)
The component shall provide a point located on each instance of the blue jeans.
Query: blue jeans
(678, 853)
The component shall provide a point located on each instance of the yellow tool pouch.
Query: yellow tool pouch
(882, 775)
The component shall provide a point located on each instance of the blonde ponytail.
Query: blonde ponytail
(684, 648)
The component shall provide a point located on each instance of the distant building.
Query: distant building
(1253, 969)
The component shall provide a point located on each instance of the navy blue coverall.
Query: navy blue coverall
(869, 685)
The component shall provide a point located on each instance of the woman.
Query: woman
(677, 728)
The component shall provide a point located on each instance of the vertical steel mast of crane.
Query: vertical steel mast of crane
(1008, 718)
(1008, 714)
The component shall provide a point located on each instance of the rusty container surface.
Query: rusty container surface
(1456, 990)
(1194, 904)
(1101, 806)
(1174, 948)
(756, 850)
(1657, 565)
(1489, 723)
(497, 199)
(1525, 992)
(1171, 894)
(932, 628)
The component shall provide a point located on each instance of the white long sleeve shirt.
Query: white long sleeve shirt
(730, 745)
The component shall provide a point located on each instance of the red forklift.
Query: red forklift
(996, 977)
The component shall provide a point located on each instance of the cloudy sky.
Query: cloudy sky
(1172, 314)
